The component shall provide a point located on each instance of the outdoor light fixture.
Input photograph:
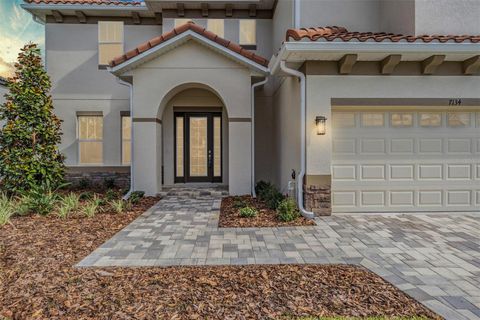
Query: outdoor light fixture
(320, 122)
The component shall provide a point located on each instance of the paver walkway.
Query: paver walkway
(435, 258)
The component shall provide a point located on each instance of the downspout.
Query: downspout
(132, 153)
(252, 105)
(303, 112)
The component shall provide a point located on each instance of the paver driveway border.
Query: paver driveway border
(434, 258)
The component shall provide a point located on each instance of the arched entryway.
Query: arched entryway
(194, 136)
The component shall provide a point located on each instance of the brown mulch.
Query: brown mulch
(266, 217)
(37, 281)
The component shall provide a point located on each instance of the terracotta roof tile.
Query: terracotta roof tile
(335, 33)
(181, 29)
(92, 2)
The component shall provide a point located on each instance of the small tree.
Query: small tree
(29, 154)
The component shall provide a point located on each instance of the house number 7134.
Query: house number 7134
(455, 102)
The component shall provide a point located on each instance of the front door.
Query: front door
(198, 146)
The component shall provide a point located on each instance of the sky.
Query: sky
(16, 29)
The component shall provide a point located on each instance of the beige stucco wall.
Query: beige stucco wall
(286, 131)
(283, 20)
(190, 100)
(158, 81)
(264, 142)
(397, 16)
(79, 85)
(321, 89)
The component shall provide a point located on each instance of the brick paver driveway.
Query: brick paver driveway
(433, 257)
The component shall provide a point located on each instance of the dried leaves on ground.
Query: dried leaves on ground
(266, 217)
(38, 281)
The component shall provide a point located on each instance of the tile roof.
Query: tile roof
(232, 46)
(91, 2)
(335, 33)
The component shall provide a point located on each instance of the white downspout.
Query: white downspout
(303, 112)
(252, 105)
(132, 153)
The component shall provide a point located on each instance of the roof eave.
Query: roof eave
(433, 48)
(187, 35)
(33, 6)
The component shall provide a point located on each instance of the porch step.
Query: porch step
(195, 191)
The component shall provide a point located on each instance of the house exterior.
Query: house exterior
(367, 105)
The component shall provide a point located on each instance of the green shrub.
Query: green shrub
(7, 209)
(84, 183)
(239, 203)
(269, 194)
(68, 204)
(135, 196)
(248, 212)
(119, 206)
(109, 183)
(29, 153)
(89, 209)
(111, 195)
(87, 195)
(287, 210)
(39, 199)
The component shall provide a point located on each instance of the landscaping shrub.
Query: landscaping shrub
(87, 195)
(84, 183)
(68, 204)
(268, 193)
(109, 183)
(248, 212)
(287, 210)
(7, 209)
(135, 196)
(39, 199)
(119, 206)
(111, 195)
(239, 203)
(29, 154)
(90, 208)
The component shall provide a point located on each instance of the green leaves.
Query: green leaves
(29, 154)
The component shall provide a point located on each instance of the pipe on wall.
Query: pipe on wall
(303, 111)
(252, 104)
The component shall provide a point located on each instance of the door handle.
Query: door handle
(209, 158)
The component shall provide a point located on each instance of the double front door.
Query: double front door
(198, 147)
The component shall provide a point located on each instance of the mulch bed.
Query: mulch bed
(38, 281)
(266, 217)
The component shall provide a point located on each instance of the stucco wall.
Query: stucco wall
(79, 85)
(191, 65)
(286, 131)
(397, 16)
(264, 146)
(321, 89)
(282, 21)
(355, 15)
(232, 32)
(447, 17)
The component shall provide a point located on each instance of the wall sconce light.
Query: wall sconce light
(320, 122)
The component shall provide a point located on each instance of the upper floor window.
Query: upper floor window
(110, 41)
(248, 32)
(216, 26)
(90, 139)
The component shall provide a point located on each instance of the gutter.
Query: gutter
(28, 6)
(303, 108)
(132, 154)
(382, 48)
(252, 104)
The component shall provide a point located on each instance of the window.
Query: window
(344, 119)
(401, 119)
(372, 119)
(216, 26)
(248, 32)
(90, 139)
(110, 41)
(458, 119)
(179, 22)
(430, 119)
(126, 139)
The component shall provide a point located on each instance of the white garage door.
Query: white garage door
(399, 161)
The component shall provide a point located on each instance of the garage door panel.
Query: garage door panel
(411, 168)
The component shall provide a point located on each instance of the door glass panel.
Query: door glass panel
(198, 147)
(458, 119)
(217, 146)
(179, 146)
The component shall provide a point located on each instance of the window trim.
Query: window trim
(88, 114)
